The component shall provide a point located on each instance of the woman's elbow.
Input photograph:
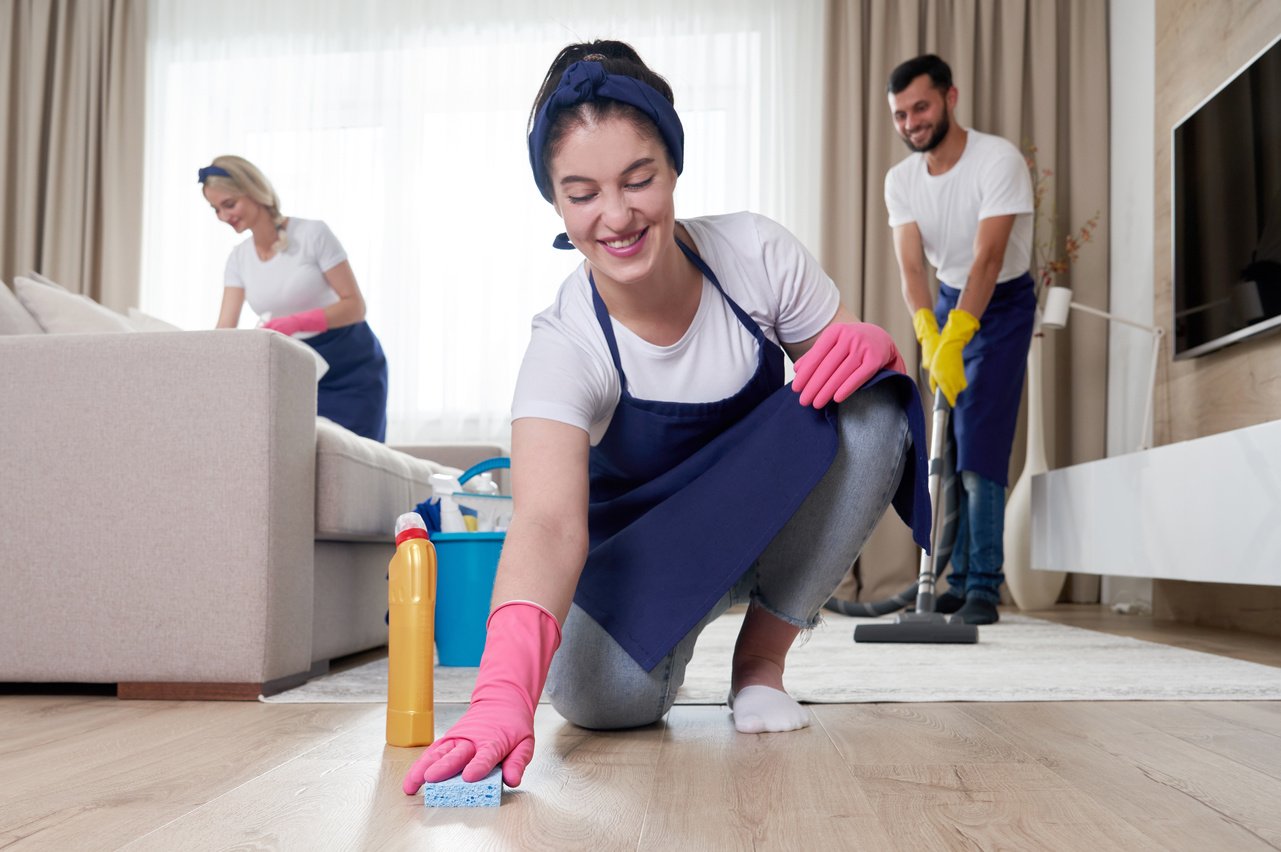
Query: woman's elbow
(356, 308)
(558, 534)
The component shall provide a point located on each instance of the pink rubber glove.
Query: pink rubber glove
(313, 320)
(845, 356)
(499, 724)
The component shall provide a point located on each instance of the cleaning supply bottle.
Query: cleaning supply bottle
(481, 484)
(443, 488)
(411, 620)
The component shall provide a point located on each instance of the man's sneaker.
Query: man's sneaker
(978, 611)
(948, 603)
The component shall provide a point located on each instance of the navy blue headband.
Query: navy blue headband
(209, 171)
(588, 81)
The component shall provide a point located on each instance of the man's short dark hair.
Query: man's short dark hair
(940, 74)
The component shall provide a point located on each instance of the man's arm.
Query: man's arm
(989, 254)
(910, 252)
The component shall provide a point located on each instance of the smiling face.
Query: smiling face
(613, 187)
(236, 209)
(922, 113)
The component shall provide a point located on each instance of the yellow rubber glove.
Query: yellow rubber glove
(927, 333)
(947, 370)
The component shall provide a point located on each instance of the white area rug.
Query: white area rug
(1019, 659)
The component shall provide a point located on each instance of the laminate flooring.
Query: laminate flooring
(84, 771)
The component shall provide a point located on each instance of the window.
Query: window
(402, 125)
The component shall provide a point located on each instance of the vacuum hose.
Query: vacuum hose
(872, 609)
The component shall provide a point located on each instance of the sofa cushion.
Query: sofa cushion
(14, 318)
(362, 486)
(146, 322)
(61, 312)
(45, 279)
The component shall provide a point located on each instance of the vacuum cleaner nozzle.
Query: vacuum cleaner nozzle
(920, 627)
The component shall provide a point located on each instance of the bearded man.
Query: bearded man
(962, 201)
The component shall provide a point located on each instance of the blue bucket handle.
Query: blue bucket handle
(481, 467)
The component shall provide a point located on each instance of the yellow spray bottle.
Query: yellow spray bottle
(411, 620)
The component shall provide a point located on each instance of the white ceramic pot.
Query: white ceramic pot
(1030, 589)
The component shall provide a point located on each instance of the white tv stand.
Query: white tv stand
(1208, 510)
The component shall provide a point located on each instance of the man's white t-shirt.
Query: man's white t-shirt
(990, 179)
(568, 375)
(292, 280)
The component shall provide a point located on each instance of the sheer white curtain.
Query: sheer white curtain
(402, 125)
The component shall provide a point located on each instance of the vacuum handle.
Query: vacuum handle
(940, 401)
(925, 591)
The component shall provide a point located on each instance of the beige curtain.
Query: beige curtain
(1035, 72)
(72, 101)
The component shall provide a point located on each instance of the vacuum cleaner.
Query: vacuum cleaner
(924, 625)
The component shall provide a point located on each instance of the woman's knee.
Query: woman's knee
(595, 684)
(873, 421)
(604, 701)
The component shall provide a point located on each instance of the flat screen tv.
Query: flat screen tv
(1227, 211)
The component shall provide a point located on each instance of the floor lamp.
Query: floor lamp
(1039, 589)
(1058, 304)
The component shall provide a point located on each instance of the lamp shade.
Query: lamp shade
(1058, 300)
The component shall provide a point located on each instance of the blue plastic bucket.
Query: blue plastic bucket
(465, 566)
(466, 563)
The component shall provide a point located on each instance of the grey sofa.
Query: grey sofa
(176, 520)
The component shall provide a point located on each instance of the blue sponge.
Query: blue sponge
(457, 793)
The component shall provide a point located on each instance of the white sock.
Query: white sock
(763, 709)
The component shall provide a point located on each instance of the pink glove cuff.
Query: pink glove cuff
(544, 610)
(515, 631)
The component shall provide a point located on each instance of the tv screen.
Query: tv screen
(1227, 211)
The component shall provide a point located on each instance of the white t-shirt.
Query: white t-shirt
(568, 375)
(292, 280)
(990, 179)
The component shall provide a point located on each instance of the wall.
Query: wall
(1199, 45)
(1132, 64)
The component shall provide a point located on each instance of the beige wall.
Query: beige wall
(1199, 44)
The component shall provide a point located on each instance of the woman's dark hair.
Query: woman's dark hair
(902, 76)
(615, 57)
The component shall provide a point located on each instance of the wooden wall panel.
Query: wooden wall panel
(1199, 45)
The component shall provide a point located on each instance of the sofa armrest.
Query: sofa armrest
(158, 494)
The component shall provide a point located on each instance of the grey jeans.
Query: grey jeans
(595, 684)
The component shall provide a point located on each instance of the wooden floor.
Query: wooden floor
(91, 772)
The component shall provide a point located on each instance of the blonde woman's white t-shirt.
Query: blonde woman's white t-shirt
(990, 179)
(568, 375)
(292, 280)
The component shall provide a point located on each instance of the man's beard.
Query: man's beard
(936, 137)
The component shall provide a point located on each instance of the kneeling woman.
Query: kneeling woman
(662, 470)
(296, 271)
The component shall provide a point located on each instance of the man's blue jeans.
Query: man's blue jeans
(978, 554)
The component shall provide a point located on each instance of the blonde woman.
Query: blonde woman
(294, 274)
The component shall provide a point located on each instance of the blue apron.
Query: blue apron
(353, 393)
(987, 412)
(684, 496)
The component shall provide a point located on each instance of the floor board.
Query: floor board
(91, 772)
(1252, 647)
(1124, 762)
(723, 790)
